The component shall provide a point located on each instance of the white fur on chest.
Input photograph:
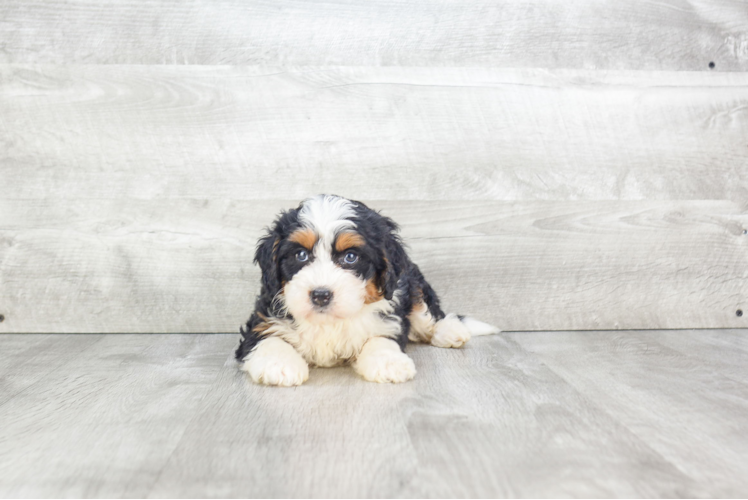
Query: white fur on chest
(331, 343)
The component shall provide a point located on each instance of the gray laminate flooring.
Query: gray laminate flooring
(628, 413)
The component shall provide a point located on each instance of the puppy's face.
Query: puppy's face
(329, 258)
(328, 280)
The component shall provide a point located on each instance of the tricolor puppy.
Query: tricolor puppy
(338, 286)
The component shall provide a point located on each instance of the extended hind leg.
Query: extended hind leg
(428, 323)
(422, 323)
(450, 332)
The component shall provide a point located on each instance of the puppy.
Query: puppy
(338, 286)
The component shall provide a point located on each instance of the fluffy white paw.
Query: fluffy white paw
(276, 362)
(450, 332)
(381, 360)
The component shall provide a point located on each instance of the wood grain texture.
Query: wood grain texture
(371, 133)
(662, 382)
(105, 421)
(515, 415)
(27, 359)
(185, 265)
(641, 34)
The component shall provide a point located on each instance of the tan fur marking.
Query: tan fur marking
(348, 240)
(275, 249)
(419, 307)
(262, 329)
(421, 322)
(304, 237)
(373, 293)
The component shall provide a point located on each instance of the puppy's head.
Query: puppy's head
(329, 257)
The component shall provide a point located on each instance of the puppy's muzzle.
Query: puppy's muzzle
(321, 297)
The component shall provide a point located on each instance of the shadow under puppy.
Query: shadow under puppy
(338, 286)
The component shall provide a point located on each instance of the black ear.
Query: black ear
(267, 257)
(394, 256)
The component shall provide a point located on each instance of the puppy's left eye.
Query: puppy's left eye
(350, 258)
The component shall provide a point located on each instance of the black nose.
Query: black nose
(321, 296)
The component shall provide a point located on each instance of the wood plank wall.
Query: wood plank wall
(554, 165)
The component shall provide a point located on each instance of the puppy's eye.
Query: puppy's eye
(302, 256)
(350, 258)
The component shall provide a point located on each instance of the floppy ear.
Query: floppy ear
(267, 257)
(394, 256)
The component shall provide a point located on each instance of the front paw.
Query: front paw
(381, 360)
(276, 362)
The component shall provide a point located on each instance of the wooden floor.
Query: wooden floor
(629, 413)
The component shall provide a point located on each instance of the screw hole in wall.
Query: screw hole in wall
(2, 318)
(739, 313)
(711, 64)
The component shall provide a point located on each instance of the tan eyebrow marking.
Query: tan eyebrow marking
(304, 237)
(348, 240)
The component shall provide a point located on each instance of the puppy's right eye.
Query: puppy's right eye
(302, 256)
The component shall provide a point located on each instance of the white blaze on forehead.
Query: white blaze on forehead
(326, 215)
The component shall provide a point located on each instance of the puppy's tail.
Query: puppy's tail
(477, 328)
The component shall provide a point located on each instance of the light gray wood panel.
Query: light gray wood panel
(371, 133)
(185, 265)
(105, 421)
(726, 351)
(641, 381)
(674, 34)
(472, 424)
(514, 415)
(26, 359)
